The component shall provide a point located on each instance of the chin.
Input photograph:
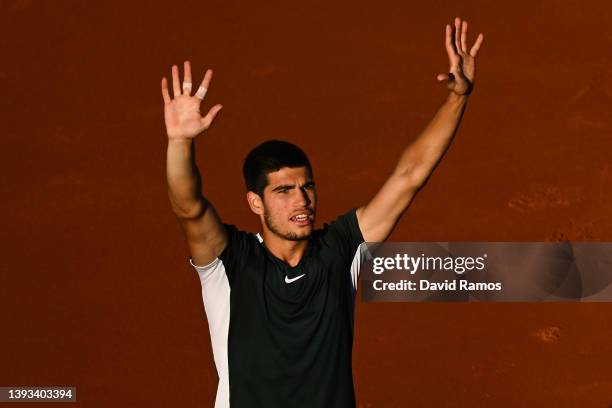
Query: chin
(299, 235)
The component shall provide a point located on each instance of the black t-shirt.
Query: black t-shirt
(290, 329)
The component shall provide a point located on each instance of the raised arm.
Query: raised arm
(416, 163)
(203, 230)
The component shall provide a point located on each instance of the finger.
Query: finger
(165, 93)
(449, 41)
(464, 36)
(187, 79)
(204, 85)
(457, 34)
(175, 81)
(210, 116)
(448, 79)
(476, 46)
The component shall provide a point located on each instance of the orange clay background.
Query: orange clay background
(96, 291)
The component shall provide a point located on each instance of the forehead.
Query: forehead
(289, 175)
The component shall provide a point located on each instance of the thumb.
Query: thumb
(445, 77)
(207, 120)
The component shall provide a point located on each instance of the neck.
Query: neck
(289, 251)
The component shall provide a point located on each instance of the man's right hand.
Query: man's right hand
(182, 114)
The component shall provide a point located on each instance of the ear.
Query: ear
(255, 202)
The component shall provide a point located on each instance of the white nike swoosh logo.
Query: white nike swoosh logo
(293, 279)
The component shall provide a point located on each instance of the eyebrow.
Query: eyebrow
(283, 187)
(289, 186)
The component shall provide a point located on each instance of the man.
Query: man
(280, 303)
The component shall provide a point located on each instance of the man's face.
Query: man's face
(289, 203)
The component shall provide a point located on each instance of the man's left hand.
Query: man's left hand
(460, 78)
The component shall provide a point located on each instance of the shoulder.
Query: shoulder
(238, 241)
(343, 233)
(346, 223)
(239, 244)
(240, 250)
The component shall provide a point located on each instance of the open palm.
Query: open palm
(182, 114)
(460, 78)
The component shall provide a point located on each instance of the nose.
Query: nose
(303, 198)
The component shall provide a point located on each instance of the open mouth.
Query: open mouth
(301, 219)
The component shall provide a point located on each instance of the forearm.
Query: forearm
(183, 176)
(420, 158)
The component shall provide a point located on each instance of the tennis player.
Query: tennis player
(280, 302)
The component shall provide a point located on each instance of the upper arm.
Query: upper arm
(380, 215)
(204, 232)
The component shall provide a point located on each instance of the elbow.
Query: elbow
(412, 179)
(190, 211)
(414, 174)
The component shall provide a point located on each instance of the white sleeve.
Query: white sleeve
(361, 255)
(216, 297)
